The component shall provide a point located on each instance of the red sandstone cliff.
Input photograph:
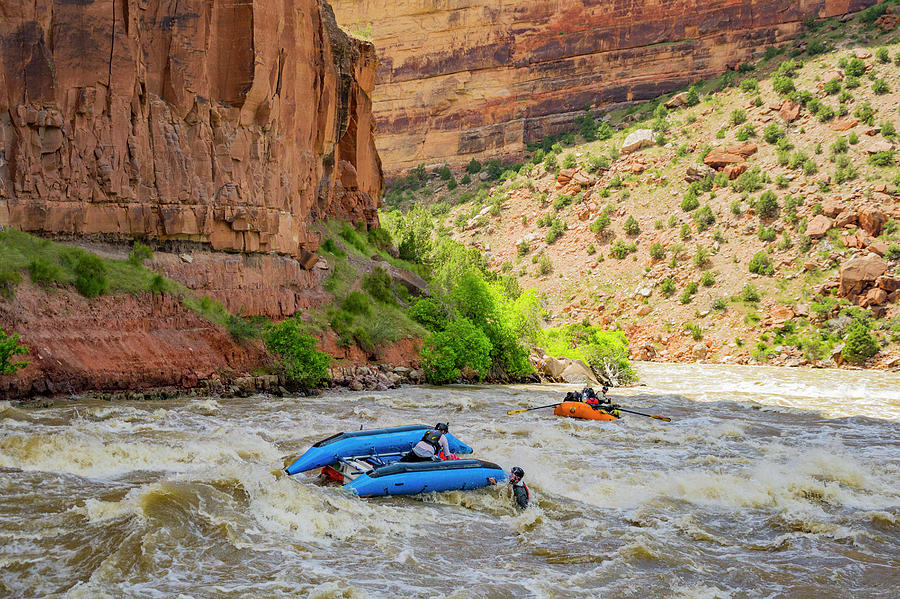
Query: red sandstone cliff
(232, 124)
(463, 79)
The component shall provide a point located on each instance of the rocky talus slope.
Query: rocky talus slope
(753, 226)
(458, 80)
(228, 126)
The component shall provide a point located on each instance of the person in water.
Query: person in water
(519, 489)
(432, 446)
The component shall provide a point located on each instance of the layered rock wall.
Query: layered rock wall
(460, 79)
(232, 123)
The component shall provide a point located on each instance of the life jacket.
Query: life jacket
(521, 498)
(433, 438)
(592, 401)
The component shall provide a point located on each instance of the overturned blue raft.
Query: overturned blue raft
(385, 443)
(369, 461)
(424, 477)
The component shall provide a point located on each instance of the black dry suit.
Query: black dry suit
(520, 492)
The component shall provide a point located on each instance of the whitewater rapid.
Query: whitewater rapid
(768, 482)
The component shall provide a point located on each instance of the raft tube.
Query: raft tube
(396, 440)
(577, 409)
(411, 478)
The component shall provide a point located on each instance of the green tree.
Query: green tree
(859, 344)
(446, 353)
(9, 349)
(300, 362)
(90, 275)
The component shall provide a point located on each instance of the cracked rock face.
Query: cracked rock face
(232, 124)
(463, 80)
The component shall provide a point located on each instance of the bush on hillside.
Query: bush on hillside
(299, 361)
(859, 345)
(139, 253)
(90, 275)
(761, 264)
(462, 345)
(378, 284)
(430, 313)
(9, 349)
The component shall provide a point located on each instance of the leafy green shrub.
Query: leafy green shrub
(378, 284)
(885, 158)
(685, 232)
(766, 234)
(772, 133)
(657, 251)
(356, 303)
(667, 287)
(888, 129)
(865, 113)
(90, 275)
(689, 201)
(569, 161)
(746, 132)
(704, 218)
(600, 223)
(43, 272)
(701, 258)
(840, 146)
(749, 294)
(620, 249)
(750, 84)
(832, 86)
(158, 284)
(783, 85)
(631, 226)
(893, 252)
(855, 67)
(708, 279)
(761, 264)
(738, 116)
(381, 237)
(767, 204)
(880, 87)
(748, 181)
(331, 247)
(299, 360)
(736, 207)
(557, 227)
(461, 345)
(859, 344)
(430, 313)
(9, 349)
(473, 167)
(139, 253)
(545, 265)
(604, 131)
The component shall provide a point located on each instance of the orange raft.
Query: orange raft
(577, 409)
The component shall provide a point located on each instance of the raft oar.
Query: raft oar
(552, 405)
(663, 418)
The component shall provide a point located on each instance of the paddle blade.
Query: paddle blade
(663, 418)
(511, 412)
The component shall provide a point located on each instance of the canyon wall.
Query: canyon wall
(459, 79)
(230, 125)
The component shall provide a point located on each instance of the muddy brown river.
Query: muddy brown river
(768, 482)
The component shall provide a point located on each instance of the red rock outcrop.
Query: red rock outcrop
(462, 79)
(115, 342)
(232, 124)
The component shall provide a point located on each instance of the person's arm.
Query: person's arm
(445, 446)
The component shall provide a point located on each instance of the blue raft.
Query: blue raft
(410, 478)
(386, 444)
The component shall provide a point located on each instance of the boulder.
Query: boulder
(789, 111)
(583, 179)
(832, 207)
(858, 272)
(719, 159)
(831, 74)
(847, 217)
(677, 101)
(644, 310)
(553, 367)
(637, 140)
(845, 123)
(699, 351)
(565, 175)
(698, 172)
(871, 220)
(888, 283)
(863, 53)
(778, 314)
(745, 150)
(818, 226)
(875, 297)
(733, 171)
(873, 146)
(578, 373)
(878, 247)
